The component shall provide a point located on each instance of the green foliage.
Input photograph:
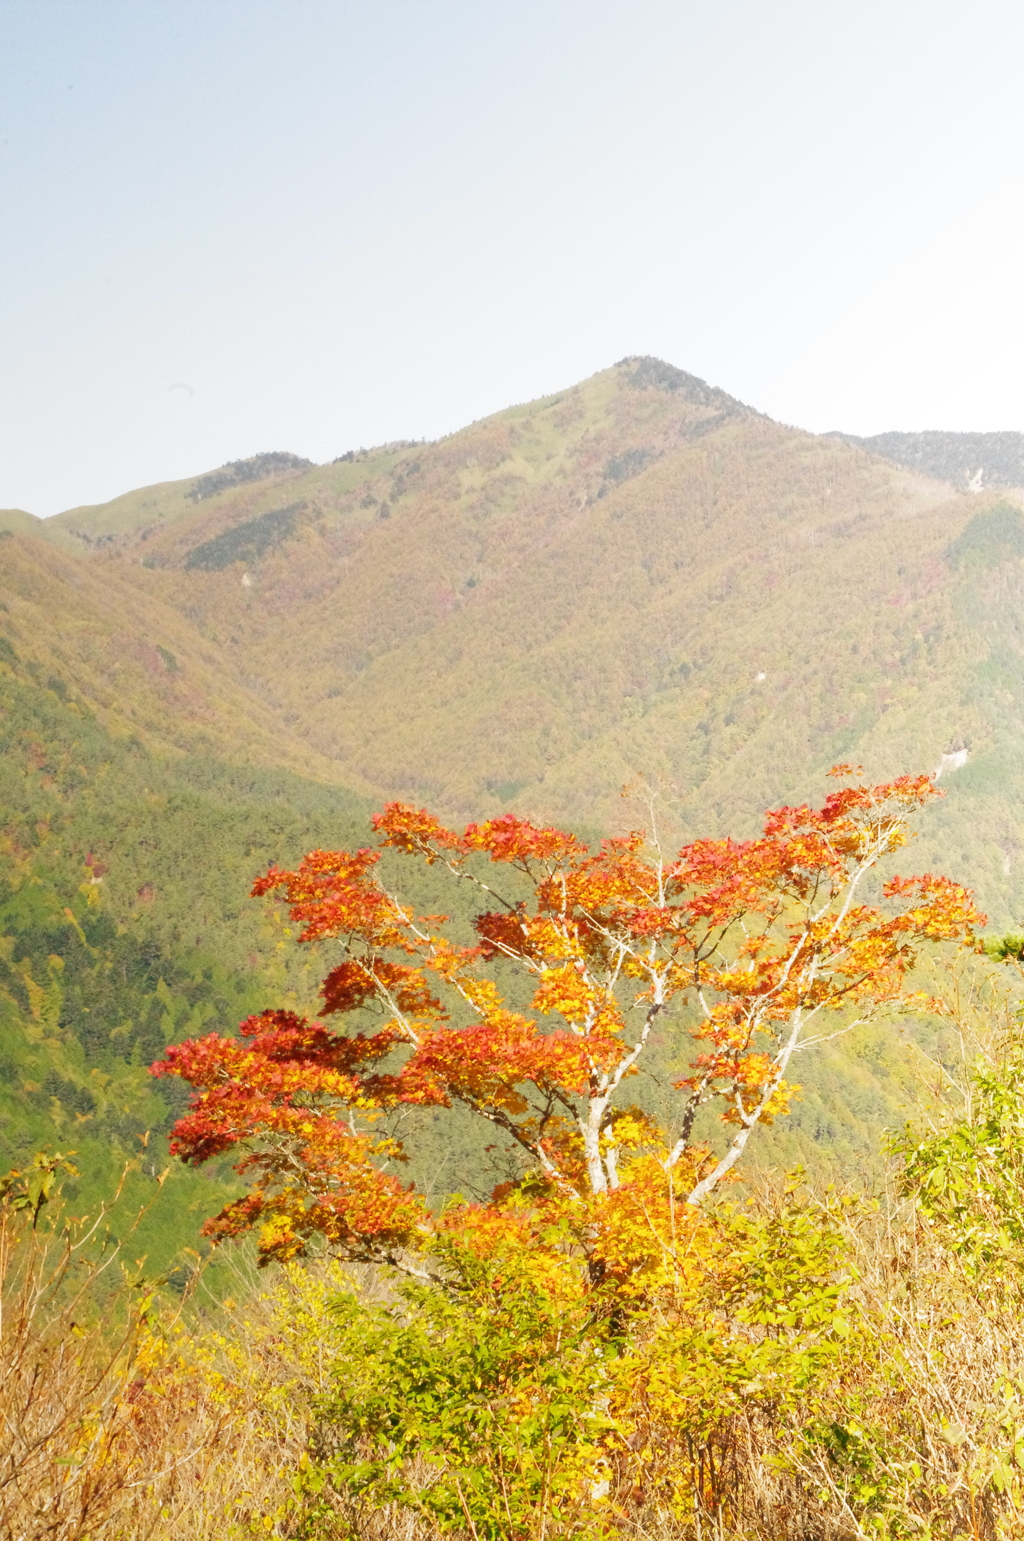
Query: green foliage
(498, 1399)
(1005, 948)
(89, 1006)
(621, 468)
(29, 1191)
(246, 542)
(82, 1007)
(237, 472)
(955, 457)
(503, 1401)
(967, 1177)
(124, 926)
(993, 536)
(648, 373)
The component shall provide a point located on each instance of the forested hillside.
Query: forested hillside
(125, 925)
(638, 580)
(637, 577)
(971, 461)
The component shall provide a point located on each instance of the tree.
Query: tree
(756, 949)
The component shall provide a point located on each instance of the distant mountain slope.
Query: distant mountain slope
(144, 512)
(637, 576)
(237, 472)
(140, 664)
(125, 924)
(15, 521)
(971, 461)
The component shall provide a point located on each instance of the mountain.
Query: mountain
(970, 461)
(639, 577)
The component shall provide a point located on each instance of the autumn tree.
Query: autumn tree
(757, 950)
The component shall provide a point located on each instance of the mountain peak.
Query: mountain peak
(644, 372)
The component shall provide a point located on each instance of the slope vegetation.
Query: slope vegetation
(971, 461)
(638, 577)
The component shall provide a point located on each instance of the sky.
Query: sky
(231, 226)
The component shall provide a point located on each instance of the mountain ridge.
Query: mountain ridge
(948, 455)
(637, 575)
(971, 462)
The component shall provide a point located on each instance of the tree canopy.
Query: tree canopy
(754, 950)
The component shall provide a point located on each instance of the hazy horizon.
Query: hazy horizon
(247, 227)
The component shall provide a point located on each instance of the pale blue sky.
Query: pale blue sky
(241, 225)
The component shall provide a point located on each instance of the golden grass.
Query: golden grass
(922, 1434)
(119, 1420)
(138, 1421)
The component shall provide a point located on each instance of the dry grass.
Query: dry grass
(126, 1423)
(920, 1433)
(118, 1421)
